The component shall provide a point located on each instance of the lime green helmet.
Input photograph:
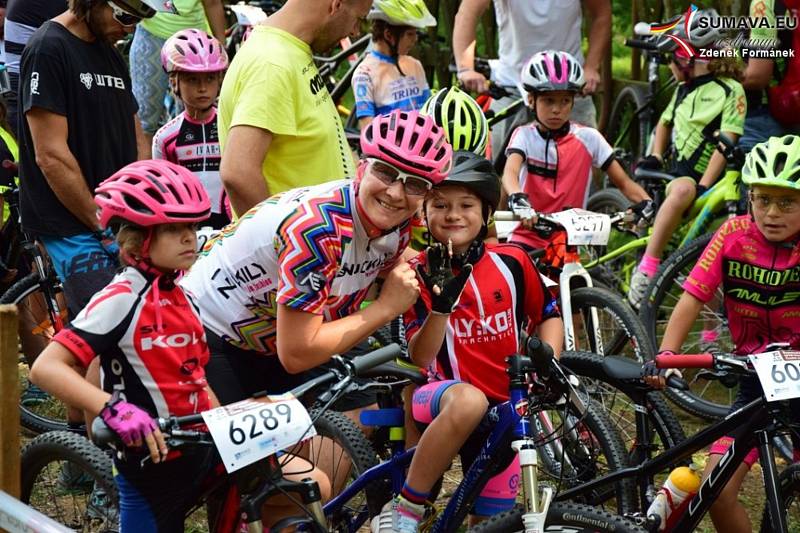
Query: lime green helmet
(412, 13)
(775, 162)
(461, 118)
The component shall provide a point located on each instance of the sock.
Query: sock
(410, 495)
(649, 265)
(709, 335)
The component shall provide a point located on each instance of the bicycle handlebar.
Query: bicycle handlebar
(699, 360)
(641, 44)
(509, 216)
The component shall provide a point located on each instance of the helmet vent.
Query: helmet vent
(780, 163)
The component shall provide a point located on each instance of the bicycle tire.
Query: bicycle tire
(593, 449)
(664, 291)
(41, 465)
(628, 100)
(620, 408)
(50, 416)
(354, 444)
(626, 337)
(614, 274)
(789, 486)
(561, 517)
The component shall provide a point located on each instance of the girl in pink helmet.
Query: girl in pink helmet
(195, 62)
(154, 207)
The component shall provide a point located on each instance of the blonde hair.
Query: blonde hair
(727, 67)
(130, 240)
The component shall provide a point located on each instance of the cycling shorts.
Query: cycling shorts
(749, 390)
(236, 374)
(501, 490)
(156, 497)
(83, 264)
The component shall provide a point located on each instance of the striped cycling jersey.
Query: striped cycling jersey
(150, 341)
(557, 169)
(760, 282)
(379, 88)
(194, 145)
(306, 249)
(502, 293)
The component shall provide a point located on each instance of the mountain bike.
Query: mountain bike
(537, 384)
(754, 425)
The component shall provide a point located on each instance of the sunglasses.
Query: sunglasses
(387, 174)
(786, 204)
(122, 16)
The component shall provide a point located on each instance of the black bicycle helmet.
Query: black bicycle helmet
(477, 174)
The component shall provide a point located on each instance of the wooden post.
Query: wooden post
(9, 401)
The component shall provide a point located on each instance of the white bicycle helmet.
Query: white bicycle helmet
(552, 70)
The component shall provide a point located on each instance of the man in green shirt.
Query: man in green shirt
(278, 126)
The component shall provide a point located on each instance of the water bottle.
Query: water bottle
(673, 498)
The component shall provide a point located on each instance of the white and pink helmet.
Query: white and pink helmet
(552, 70)
(411, 142)
(151, 192)
(193, 51)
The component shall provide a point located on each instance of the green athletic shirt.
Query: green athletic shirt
(165, 25)
(273, 84)
(696, 110)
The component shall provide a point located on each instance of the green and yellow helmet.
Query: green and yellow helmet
(775, 162)
(461, 118)
(412, 13)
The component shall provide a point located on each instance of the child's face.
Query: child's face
(174, 247)
(407, 41)
(199, 90)
(454, 213)
(553, 108)
(776, 211)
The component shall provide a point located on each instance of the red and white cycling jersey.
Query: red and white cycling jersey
(557, 169)
(503, 291)
(306, 248)
(161, 369)
(194, 145)
(761, 283)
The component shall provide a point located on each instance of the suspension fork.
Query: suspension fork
(569, 271)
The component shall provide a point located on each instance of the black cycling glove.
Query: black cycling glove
(644, 210)
(650, 162)
(520, 205)
(444, 286)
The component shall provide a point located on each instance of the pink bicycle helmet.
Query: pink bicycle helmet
(411, 142)
(552, 71)
(193, 51)
(150, 192)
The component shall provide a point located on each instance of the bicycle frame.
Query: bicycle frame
(701, 215)
(752, 425)
(508, 418)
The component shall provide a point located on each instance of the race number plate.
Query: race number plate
(247, 431)
(584, 227)
(779, 374)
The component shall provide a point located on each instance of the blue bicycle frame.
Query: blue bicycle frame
(507, 416)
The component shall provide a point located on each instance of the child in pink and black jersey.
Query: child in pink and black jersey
(549, 162)
(195, 62)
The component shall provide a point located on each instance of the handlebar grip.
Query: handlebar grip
(541, 355)
(505, 216)
(377, 357)
(698, 360)
(102, 435)
(640, 44)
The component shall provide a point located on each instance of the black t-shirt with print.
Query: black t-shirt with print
(88, 83)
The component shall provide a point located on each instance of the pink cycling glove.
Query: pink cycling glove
(126, 420)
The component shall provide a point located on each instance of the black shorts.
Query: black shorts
(236, 374)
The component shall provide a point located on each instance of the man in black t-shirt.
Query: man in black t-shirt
(77, 126)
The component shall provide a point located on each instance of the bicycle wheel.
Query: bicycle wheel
(618, 330)
(614, 274)
(707, 399)
(667, 430)
(69, 479)
(578, 447)
(789, 484)
(563, 517)
(625, 130)
(343, 452)
(37, 325)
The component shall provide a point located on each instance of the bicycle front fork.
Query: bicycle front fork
(536, 502)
